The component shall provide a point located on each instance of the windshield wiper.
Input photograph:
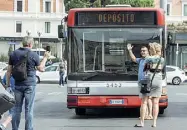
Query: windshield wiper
(120, 72)
(125, 72)
(95, 73)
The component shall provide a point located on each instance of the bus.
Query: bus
(101, 73)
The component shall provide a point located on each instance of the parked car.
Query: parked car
(3, 69)
(175, 75)
(42, 52)
(51, 73)
(185, 68)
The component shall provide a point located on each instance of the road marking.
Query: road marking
(39, 93)
(181, 94)
(55, 93)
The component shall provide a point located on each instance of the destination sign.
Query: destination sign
(94, 18)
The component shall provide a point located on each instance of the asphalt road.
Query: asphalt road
(51, 113)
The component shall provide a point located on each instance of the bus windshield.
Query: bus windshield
(41, 53)
(105, 49)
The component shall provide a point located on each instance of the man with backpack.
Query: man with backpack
(22, 66)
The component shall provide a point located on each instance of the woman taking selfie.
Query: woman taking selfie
(153, 72)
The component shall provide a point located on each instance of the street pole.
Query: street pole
(177, 53)
(102, 3)
(39, 45)
(163, 5)
(39, 34)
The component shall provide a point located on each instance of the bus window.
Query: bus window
(41, 53)
(106, 48)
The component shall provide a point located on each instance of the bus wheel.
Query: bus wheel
(161, 111)
(80, 111)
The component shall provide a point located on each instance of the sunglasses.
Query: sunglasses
(143, 50)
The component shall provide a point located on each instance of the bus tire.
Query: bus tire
(80, 111)
(161, 111)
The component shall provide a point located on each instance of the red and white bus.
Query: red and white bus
(100, 71)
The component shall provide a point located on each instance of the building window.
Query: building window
(19, 6)
(168, 9)
(185, 9)
(48, 7)
(18, 27)
(47, 27)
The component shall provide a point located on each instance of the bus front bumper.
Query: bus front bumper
(109, 101)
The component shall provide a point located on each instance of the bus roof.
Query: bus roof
(124, 5)
(114, 8)
(159, 12)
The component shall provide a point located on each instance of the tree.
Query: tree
(98, 3)
(69, 4)
(10, 50)
(133, 3)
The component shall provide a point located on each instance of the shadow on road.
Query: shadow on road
(109, 113)
(58, 110)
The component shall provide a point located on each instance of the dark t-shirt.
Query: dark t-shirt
(32, 62)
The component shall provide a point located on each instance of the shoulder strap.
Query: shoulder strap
(25, 57)
(27, 54)
(156, 69)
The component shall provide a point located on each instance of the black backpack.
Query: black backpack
(19, 71)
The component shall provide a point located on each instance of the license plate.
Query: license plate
(117, 101)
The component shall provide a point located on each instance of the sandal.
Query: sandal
(149, 118)
(153, 126)
(138, 125)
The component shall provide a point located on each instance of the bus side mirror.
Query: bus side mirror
(61, 31)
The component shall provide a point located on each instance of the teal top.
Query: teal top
(153, 60)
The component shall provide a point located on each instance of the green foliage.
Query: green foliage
(69, 4)
(3, 58)
(133, 3)
(10, 50)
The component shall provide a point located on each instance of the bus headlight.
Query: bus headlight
(81, 90)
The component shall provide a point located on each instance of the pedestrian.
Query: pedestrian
(62, 66)
(10, 89)
(141, 63)
(22, 65)
(153, 67)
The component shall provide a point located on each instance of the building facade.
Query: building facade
(38, 18)
(176, 10)
(176, 15)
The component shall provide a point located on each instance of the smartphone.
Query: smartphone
(48, 48)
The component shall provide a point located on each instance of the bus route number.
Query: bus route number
(113, 85)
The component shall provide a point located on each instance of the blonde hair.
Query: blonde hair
(155, 48)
